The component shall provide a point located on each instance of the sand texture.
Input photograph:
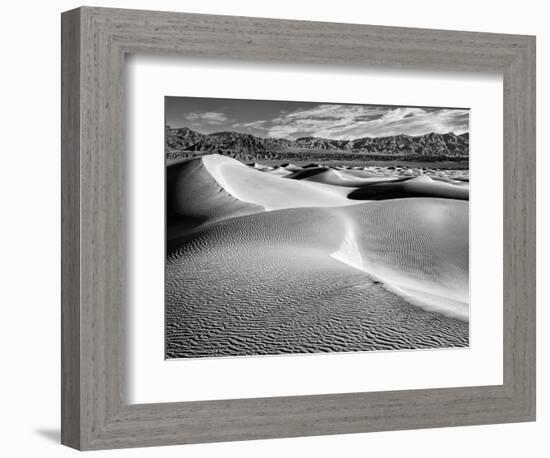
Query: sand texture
(285, 259)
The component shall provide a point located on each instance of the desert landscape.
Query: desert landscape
(277, 256)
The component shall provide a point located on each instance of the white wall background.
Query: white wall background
(29, 240)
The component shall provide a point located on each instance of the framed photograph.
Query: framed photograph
(277, 228)
(350, 246)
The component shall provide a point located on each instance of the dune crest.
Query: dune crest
(270, 191)
(194, 199)
(422, 259)
(338, 177)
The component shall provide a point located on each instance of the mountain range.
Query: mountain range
(429, 145)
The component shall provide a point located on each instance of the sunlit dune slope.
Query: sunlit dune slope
(364, 277)
(271, 191)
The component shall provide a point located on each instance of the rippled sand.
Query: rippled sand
(248, 273)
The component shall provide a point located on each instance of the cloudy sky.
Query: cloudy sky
(282, 119)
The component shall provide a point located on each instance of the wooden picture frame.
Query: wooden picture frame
(95, 411)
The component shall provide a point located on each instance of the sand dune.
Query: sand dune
(333, 177)
(421, 186)
(319, 187)
(375, 185)
(418, 248)
(271, 264)
(290, 287)
(271, 192)
(194, 198)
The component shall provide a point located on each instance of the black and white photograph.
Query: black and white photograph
(244, 229)
(306, 227)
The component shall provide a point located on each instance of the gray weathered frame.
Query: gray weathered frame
(95, 413)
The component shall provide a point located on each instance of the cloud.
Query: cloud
(355, 121)
(260, 124)
(208, 117)
(337, 121)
